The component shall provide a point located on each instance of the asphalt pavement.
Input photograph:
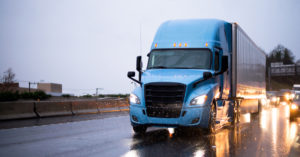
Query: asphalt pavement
(269, 133)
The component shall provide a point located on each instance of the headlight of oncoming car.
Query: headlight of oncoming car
(134, 99)
(294, 107)
(199, 100)
(274, 99)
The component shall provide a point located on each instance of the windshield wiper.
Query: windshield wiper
(182, 68)
(158, 67)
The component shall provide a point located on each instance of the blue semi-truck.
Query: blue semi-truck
(201, 73)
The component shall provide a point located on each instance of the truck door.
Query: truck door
(222, 107)
(219, 80)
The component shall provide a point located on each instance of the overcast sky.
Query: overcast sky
(89, 44)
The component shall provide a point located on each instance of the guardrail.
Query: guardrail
(19, 110)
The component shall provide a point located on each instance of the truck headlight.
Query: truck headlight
(199, 100)
(134, 99)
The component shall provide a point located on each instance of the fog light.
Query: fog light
(134, 118)
(195, 120)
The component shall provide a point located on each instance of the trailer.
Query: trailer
(248, 71)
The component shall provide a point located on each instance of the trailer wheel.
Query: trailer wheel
(139, 129)
(259, 106)
(212, 119)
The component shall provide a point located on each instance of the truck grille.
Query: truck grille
(164, 100)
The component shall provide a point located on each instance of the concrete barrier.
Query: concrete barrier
(16, 110)
(84, 107)
(45, 109)
(106, 105)
(113, 105)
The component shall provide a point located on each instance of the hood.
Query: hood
(185, 76)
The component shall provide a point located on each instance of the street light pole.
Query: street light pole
(29, 83)
(97, 91)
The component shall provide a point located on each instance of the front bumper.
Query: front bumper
(189, 117)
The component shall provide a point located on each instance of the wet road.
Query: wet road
(269, 133)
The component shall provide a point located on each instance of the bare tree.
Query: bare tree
(281, 54)
(9, 76)
(8, 80)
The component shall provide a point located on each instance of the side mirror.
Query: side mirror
(131, 74)
(139, 64)
(207, 75)
(224, 63)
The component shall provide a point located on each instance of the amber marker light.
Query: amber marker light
(185, 44)
(155, 45)
(179, 44)
(174, 44)
(206, 44)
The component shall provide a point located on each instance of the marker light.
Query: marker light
(200, 100)
(185, 44)
(179, 44)
(134, 99)
(206, 44)
(294, 107)
(155, 45)
(174, 44)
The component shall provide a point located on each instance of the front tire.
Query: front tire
(212, 119)
(236, 113)
(139, 129)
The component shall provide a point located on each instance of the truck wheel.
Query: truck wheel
(139, 129)
(236, 113)
(212, 119)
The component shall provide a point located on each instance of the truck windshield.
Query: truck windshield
(180, 59)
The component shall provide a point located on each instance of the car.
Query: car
(285, 96)
(295, 107)
(272, 98)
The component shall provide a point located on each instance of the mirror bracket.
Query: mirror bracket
(131, 74)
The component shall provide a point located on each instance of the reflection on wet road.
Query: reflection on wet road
(269, 133)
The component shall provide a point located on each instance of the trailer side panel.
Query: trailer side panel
(249, 71)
